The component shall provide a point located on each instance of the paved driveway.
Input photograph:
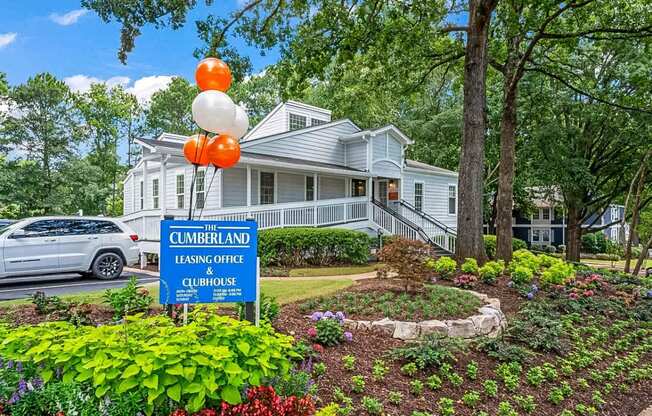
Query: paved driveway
(68, 284)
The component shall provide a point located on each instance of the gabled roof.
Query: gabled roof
(277, 109)
(389, 128)
(413, 164)
(291, 133)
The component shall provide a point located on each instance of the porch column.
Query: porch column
(162, 182)
(315, 190)
(248, 185)
(145, 179)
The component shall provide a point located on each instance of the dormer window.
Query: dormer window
(317, 122)
(297, 122)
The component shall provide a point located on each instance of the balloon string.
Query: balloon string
(192, 191)
(210, 184)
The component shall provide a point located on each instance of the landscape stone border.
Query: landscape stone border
(489, 321)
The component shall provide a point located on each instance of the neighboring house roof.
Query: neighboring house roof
(386, 128)
(176, 147)
(424, 166)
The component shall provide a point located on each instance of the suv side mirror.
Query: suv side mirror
(20, 233)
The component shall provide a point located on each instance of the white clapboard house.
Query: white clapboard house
(299, 168)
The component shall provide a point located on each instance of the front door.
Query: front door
(34, 252)
(382, 191)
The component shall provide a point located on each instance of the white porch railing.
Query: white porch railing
(308, 214)
(438, 234)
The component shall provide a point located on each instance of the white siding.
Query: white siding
(321, 145)
(386, 169)
(379, 147)
(127, 195)
(331, 187)
(234, 182)
(356, 155)
(394, 150)
(279, 121)
(435, 194)
(290, 187)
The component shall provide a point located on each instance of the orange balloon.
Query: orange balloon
(224, 151)
(195, 149)
(213, 74)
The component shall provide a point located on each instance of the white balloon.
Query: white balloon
(240, 123)
(213, 111)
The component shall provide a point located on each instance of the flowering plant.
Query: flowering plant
(263, 401)
(16, 380)
(465, 280)
(328, 328)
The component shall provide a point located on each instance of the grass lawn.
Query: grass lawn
(334, 271)
(285, 291)
(617, 264)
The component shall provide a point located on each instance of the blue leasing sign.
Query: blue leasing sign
(208, 261)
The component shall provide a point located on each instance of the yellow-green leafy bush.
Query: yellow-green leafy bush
(212, 357)
(470, 266)
(525, 258)
(491, 271)
(558, 274)
(445, 267)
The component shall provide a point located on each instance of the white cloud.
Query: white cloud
(69, 18)
(7, 38)
(142, 88)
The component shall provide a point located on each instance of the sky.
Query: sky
(75, 45)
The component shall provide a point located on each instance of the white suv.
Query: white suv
(95, 246)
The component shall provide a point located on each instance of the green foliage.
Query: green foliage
(455, 379)
(128, 300)
(395, 397)
(47, 304)
(470, 266)
(559, 273)
(416, 387)
(525, 258)
(490, 388)
(329, 332)
(301, 247)
(318, 369)
(409, 369)
(357, 384)
(471, 398)
(502, 350)
(210, 358)
(444, 266)
(521, 274)
(330, 410)
(506, 409)
(526, 403)
(69, 398)
(538, 327)
(472, 370)
(433, 382)
(491, 271)
(535, 376)
(433, 350)
(348, 362)
(490, 245)
(372, 406)
(594, 243)
(379, 370)
(446, 406)
(269, 309)
(169, 109)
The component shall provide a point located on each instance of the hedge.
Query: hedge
(301, 247)
(490, 245)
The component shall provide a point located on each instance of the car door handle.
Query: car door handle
(93, 238)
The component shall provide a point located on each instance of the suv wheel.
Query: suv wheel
(108, 266)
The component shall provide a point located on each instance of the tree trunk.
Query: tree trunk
(505, 199)
(470, 242)
(642, 256)
(573, 235)
(635, 214)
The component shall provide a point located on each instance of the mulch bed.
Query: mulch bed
(368, 346)
(28, 315)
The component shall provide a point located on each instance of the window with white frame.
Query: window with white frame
(317, 122)
(142, 195)
(200, 187)
(358, 187)
(266, 188)
(155, 193)
(545, 213)
(297, 122)
(615, 214)
(310, 188)
(418, 196)
(541, 235)
(452, 199)
(181, 190)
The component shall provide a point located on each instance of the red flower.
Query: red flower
(312, 332)
(179, 412)
(318, 348)
(573, 296)
(588, 293)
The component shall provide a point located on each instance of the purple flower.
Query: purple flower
(530, 295)
(348, 336)
(535, 288)
(316, 316)
(22, 386)
(19, 366)
(340, 315)
(37, 383)
(328, 315)
(10, 364)
(14, 399)
(649, 293)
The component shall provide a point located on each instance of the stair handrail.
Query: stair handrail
(407, 222)
(429, 218)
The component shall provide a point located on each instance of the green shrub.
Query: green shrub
(269, 309)
(372, 405)
(329, 332)
(525, 258)
(330, 410)
(470, 266)
(433, 350)
(445, 267)
(558, 274)
(301, 247)
(521, 274)
(491, 271)
(68, 398)
(490, 245)
(128, 300)
(594, 243)
(210, 358)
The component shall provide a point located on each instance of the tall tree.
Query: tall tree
(40, 127)
(169, 109)
(526, 34)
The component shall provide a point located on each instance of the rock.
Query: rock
(432, 326)
(350, 324)
(364, 325)
(489, 310)
(406, 330)
(461, 328)
(385, 325)
(494, 303)
(479, 295)
(484, 324)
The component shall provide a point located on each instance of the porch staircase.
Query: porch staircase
(408, 222)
